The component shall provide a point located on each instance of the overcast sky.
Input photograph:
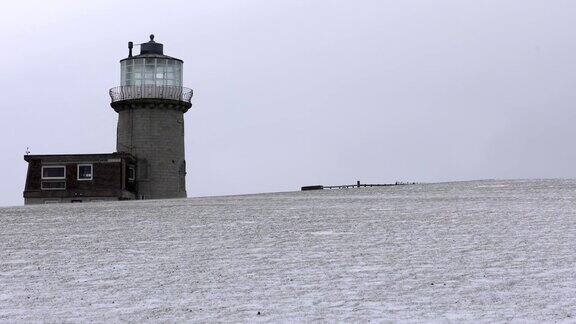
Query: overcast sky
(291, 93)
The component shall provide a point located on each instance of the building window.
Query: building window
(131, 173)
(84, 171)
(54, 172)
(53, 185)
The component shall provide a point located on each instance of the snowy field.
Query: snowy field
(474, 251)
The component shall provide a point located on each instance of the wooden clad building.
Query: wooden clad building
(80, 178)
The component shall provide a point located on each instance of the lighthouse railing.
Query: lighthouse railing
(131, 92)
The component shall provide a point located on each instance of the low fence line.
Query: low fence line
(357, 185)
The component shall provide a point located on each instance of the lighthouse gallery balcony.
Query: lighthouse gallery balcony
(148, 91)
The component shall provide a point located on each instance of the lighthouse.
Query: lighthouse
(149, 162)
(151, 103)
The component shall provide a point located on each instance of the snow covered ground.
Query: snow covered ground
(483, 250)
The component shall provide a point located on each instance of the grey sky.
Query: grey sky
(289, 93)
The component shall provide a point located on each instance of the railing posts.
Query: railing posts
(150, 91)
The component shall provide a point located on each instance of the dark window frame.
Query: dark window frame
(63, 167)
(131, 173)
(91, 171)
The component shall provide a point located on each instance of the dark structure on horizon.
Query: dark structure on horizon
(357, 185)
(150, 159)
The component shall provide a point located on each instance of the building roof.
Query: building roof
(150, 49)
(78, 157)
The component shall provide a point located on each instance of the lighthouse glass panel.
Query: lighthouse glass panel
(151, 71)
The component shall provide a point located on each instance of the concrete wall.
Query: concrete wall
(154, 133)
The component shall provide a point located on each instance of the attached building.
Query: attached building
(80, 178)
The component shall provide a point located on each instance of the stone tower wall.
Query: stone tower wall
(154, 133)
